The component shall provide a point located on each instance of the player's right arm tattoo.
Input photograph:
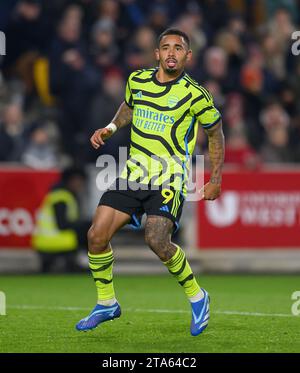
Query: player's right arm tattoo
(216, 146)
(123, 116)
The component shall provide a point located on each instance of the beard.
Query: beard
(171, 71)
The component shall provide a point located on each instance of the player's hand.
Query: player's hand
(211, 191)
(99, 136)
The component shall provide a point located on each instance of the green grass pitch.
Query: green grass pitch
(248, 314)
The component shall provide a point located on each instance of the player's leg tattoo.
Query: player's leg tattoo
(158, 232)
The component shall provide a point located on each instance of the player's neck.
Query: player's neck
(163, 77)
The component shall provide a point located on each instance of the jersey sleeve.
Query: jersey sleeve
(128, 93)
(204, 110)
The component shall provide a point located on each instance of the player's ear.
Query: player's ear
(189, 55)
(156, 54)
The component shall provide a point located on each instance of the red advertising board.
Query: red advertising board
(256, 210)
(21, 192)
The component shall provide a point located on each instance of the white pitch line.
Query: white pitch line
(58, 308)
(234, 313)
(254, 314)
(217, 312)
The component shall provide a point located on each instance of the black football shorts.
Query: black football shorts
(163, 202)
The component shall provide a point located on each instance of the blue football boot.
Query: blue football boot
(99, 315)
(200, 314)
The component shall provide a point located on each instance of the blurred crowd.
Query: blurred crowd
(67, 62)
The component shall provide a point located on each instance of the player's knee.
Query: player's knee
(98, 239)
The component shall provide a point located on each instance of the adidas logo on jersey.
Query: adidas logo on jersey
(139, 94)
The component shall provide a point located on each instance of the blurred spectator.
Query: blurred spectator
(39, 153)
(60, 232)
(238, 149)
(272, 7)
(72, 79)
(215, 63)
(252, 79)
(158, 18)
(140, 51)
(288, 98)
(216, 91)
(275, 148)
(191, 22)
(134, 14)
(257, 82)
(294, 80)
(215, 66)
(256, 62)
(12, 134)
(281, 26)
(109, 10)
(6, 8)
(104, 50)
(238, 27)
(276, 123)
(103, 109)
(215, 14)
(232, 46)
(27, 34)
(273, 56)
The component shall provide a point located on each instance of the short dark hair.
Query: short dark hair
(174, 31)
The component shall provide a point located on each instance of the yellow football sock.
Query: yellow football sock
(179, 267)
(101, 266)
